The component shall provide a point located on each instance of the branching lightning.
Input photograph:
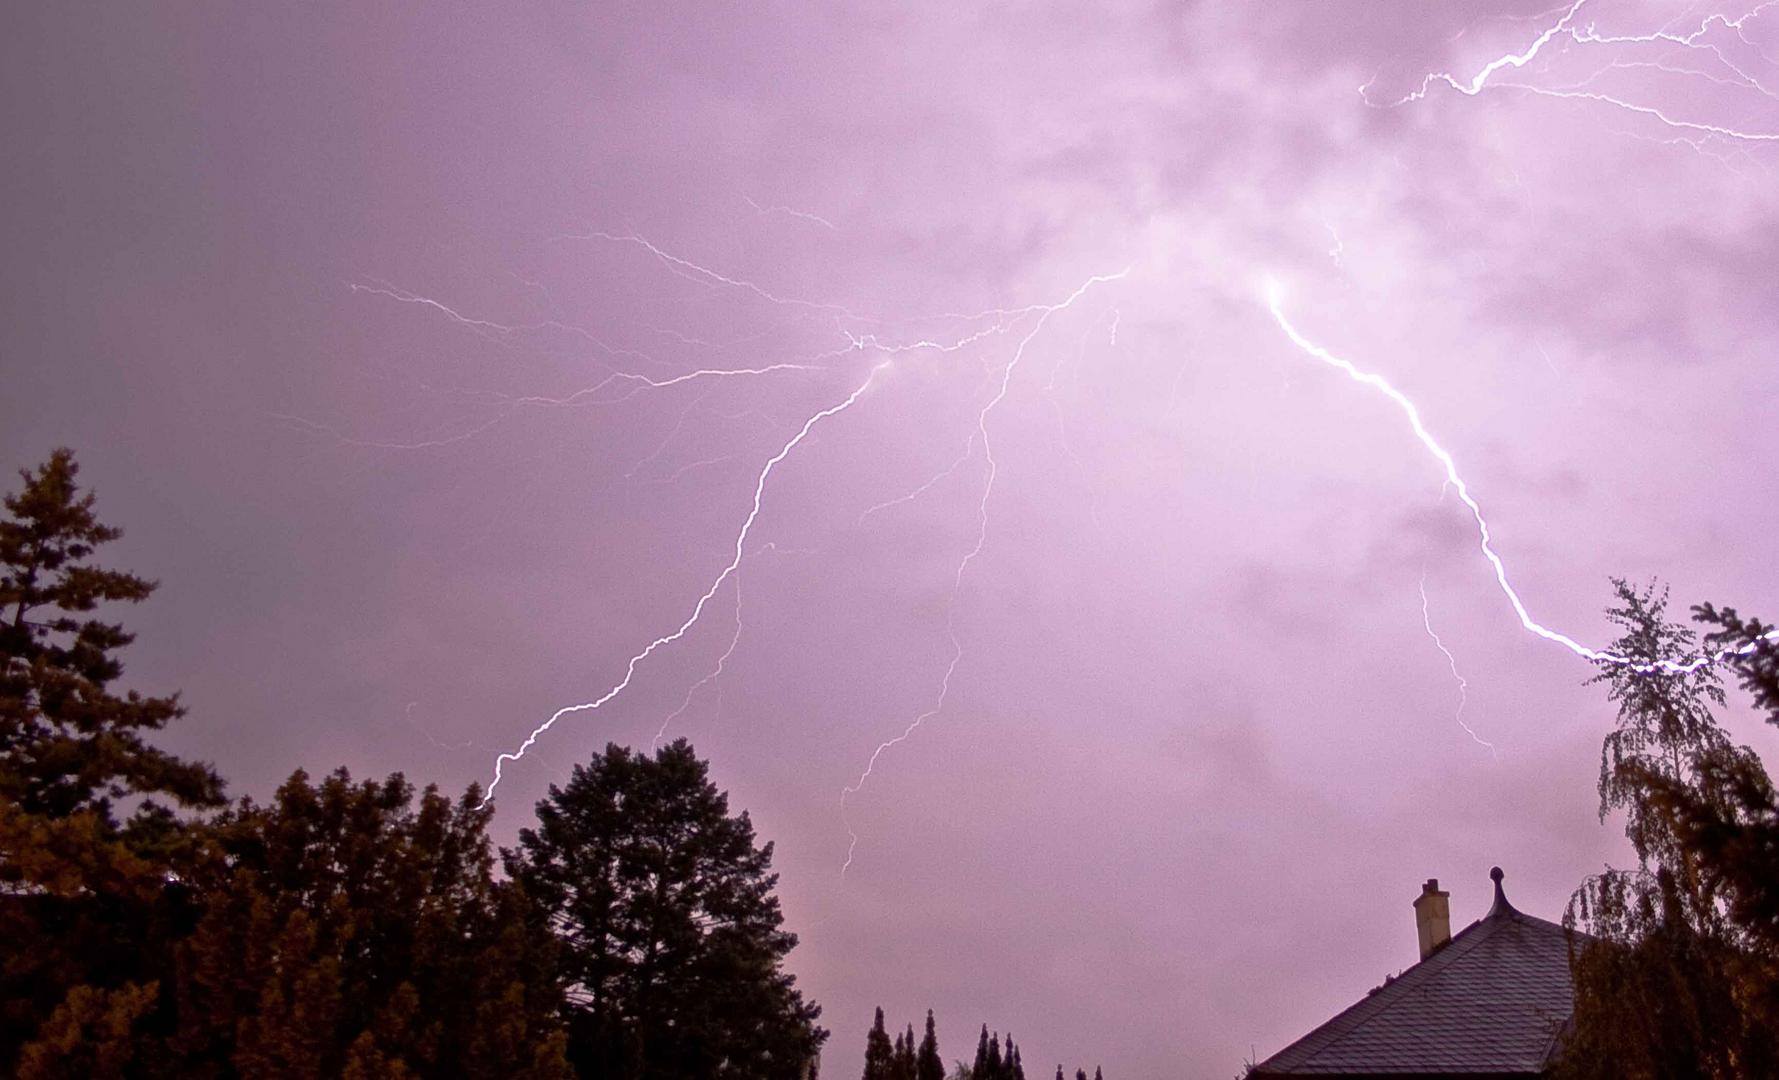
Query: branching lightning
(723, 576)
(957, 647)
(855, 343)
(611, 384)
(1568, 28)
(1274, 295)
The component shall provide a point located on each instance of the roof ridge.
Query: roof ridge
(1471, 958)
(1421, 971)
(1375, 1003)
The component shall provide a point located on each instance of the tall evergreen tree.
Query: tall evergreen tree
(905, 1064)
(88, 902)
(980, 1066)
(928, 1065)
(879, 1055)
(672, 941)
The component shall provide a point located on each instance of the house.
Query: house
(1493, 1001)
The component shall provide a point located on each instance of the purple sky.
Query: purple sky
(299, 283)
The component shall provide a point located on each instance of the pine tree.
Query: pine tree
(1096, 1073)
(1059, 1075)
(980, 1067)
(84, 936)
(879, 1055)
(672, 942)
(995, 1065)
(928, 1064)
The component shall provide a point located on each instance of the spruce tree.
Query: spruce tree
(980, 1067)
(928, 1064)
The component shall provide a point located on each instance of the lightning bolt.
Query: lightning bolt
(855, 343)
(747, 527)
(957, 647)
(768, 211)
(1565, 27)
(715, 672)
(1274, 295)
(1463, 683)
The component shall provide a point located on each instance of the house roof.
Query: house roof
(1492, 1002)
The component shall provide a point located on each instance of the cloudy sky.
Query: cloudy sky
(433, 360)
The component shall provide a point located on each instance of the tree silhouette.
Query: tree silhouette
(1663, 980)
(85, 908)
(671, 937)
(879, 1055)
(348, 931)
(928, 1065)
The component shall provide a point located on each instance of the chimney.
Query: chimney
(1433, 918)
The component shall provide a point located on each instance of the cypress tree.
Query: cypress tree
(879, 1055)
(980, 1068)
(905, 1062)
(928, 1064)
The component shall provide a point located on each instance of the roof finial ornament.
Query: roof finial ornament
(1501, 905)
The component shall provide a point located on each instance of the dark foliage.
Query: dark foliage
(349, 932)
(86, 912)
(1675, 975)
(672, 939)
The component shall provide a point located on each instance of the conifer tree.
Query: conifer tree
(83, 938)
(671, 940)
(348, 931)
(879, 1055)
(1059, 1075)
(70, 746)
(905, 1066)
(980, 1066)
(928, 1064)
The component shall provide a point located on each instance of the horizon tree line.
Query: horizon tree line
(905, 1059)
